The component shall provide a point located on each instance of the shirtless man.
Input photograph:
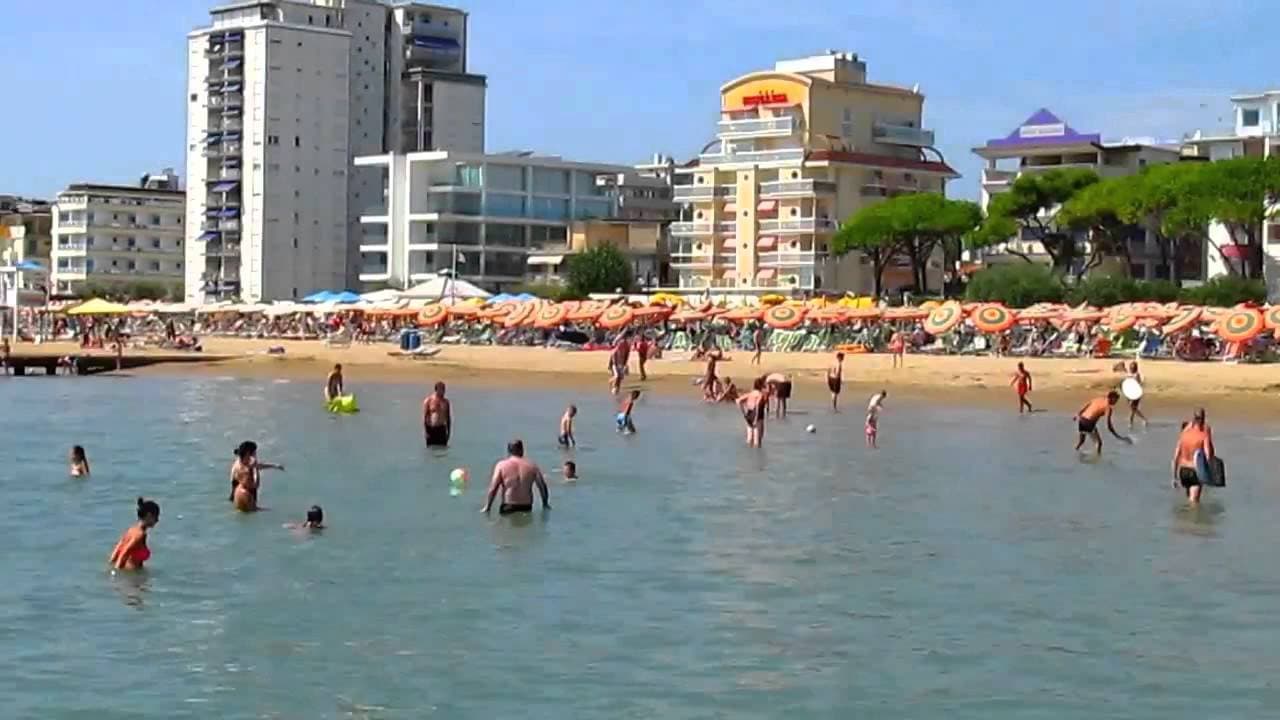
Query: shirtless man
(1194, 437)
(1089, 415)
(437, 418)
(618, 360)
(515, 477)
(565, 438)
(779, 391)
(710, 382)
(333, 384)
(835, 380)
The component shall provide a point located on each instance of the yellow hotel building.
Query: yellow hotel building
(798, 150)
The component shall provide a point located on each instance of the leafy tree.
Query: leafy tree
(1096, 209)
(1164, 200)
(871, 232)
(602, 269)
(1238, 193)
(1031, 203)
(1226, 291)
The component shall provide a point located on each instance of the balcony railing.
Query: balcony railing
(797, 187)
(798, 225)
(72, 247)
(891, 134)
(753, 156)
(790, 257)
(685, 193)
(683, 229)
(758, 127)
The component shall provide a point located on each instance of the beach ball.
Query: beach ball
(457, 481)
(811, 429)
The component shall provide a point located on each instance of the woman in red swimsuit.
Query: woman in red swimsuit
(132, 552)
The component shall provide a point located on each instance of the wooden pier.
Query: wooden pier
(26, 364)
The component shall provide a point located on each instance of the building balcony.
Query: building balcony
(906, 135)
(753, 157)
(796, 188)
(71, 248)
(78, 225)
(71, 272)
(798, 226)
(374, 273)
(690, 261)
(222, 249)
(791, 258)
(689, 229)
(224, 174)
(232, 124)
(758, 127)
(689, 193)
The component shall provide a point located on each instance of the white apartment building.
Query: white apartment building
(116, 234)
(1045, 142)
(502, 215)
(1256, 134)
(282, 96)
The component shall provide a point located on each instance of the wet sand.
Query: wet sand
(1060, 384)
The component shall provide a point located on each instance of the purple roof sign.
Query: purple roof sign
(1044, 128)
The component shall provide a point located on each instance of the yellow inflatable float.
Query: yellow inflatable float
(344, 405)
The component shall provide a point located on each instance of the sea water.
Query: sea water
(972, 567)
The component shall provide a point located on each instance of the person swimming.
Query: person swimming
(246, 476)
(79, 462)
(515, 477)
(131, 552)
(314, 521)
(566, 438)
(625, 423)
(570, 470)
(1088, 416)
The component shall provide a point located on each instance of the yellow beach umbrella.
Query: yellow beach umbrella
(98, 306)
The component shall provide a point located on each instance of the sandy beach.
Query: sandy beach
(1059, 383)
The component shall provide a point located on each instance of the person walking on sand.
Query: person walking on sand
(1195, 437)
(757, 342)
(437, 418)
(566, 439)
(1089, 415)
(131, 552)
(333, 386)
(835, 380)
(1022, 384)
(1134, 412)
(755, 408)
(515, 477)
(872, 427)
(618, 360)
(898, 348)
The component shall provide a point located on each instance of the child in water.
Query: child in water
(625, 425)
(566, 438)
(873, 418)
(79, 462)
(570, 470)
(314, 521)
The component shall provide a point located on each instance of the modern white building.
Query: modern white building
(282, 95)
(1256, 133)
(116, 234)
(1045, 142)
(501, 215)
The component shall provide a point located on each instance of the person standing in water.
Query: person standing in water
(131, 552)
(710, 380)
(515, 477)
(755, 408)
(1089, 415)
(779, 385)
(835, 381)
(79, 462)
(566, 438)
(1134, 412)
(618, 360)
(437, 418)
(333, 387)
(872, 427)
(1022, 384)
(625, 424)
(246, 476)
(1195, 437)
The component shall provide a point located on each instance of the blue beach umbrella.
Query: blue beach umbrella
(319, 297)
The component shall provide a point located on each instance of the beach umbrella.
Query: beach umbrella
(743, 313)
(1087, 316)
(462, 310)
(930, 305)
(831, 314)
(684, 317)
(98, 306)
(524, 311)
(862, 313)
(1121, 318)
(318, 297)
(905, 313)
(433, 315)
(652, 313)
(588, 310)
(1184, 320)
(993, 319)
(1241, 325)
(772, 299)
(1037, 314)
(943, 318)
(783, 317)
(616, 316)
(1272, 317)
(551, 315)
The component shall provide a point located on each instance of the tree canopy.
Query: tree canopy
(1031, 202)
(602, 269)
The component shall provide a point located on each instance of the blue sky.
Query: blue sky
(95, 90)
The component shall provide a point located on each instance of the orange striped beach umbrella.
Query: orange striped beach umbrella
(1184, 320)
(943, 318)
(615, 317)
(432, 315)
(1241, 325)
(992, 318)
(742, 314)
(783, 317)
(550, 315)
(523, 312)
(1272, 317)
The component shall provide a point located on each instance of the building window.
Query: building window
(295, 243)
(297, 141)
(846, 125)
(155, 243)
(155, 266)
(273, 139)
(1249, 118)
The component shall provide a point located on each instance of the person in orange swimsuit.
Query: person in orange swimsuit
(1022, 383)
(1089, 415)
(131, 552)
(1197, 436)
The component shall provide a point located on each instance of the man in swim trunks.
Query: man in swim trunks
(710, 381)
(618, 360)
(333, 385)
(1089, 415)
(515, 477)
(437, 418)
(1022, 383)
(1197, 436)
(755, 408)
(835, 380)
(566, 438)
(780, 391)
